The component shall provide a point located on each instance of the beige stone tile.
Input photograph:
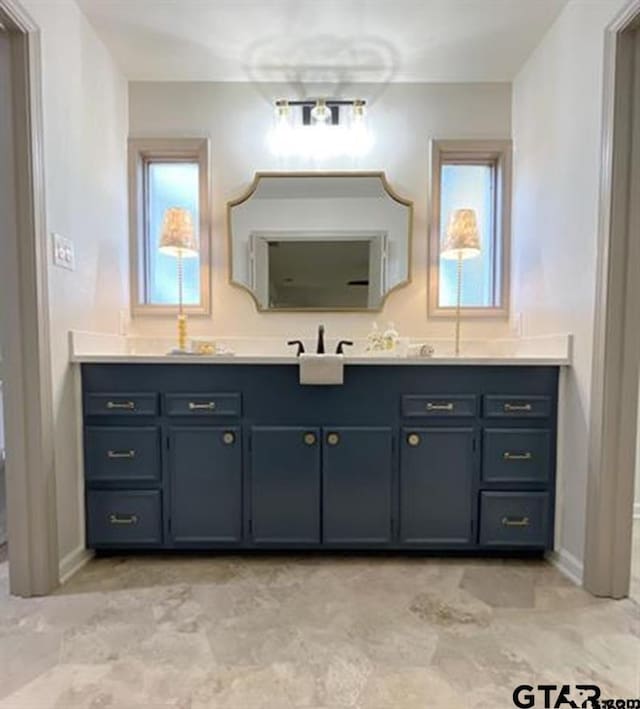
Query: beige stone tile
(506, 587)
(312, 632)
(24, 655)
(415, 688)
(457, 611)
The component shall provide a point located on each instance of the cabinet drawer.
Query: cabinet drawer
(126, 404)
(124, 518)
(122, 454)
(517, 406)
(442, 406)
(208, 404)
(514, 519)
(516, 455)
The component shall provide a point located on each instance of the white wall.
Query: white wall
(557, 106)
(237, 118)
(85, 129)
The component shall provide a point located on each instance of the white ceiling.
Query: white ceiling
(336, 41)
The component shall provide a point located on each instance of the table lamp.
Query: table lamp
(462, 242)
(178, 239)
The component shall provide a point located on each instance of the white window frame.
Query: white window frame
(497, 153)
(142, 151)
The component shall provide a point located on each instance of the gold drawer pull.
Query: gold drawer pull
(115, 455)
(515, 521)
(333, 439)
(228, 438)
(517, 407)
(310, 439)
(517, 456)
(209, 406)
(413, 439)
(439, 407)
(123, 519)
(128, 405)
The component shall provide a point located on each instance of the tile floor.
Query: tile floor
(287, 632)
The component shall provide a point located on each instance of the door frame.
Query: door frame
(616, 342)
(30, 464)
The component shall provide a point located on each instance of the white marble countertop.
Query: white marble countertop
(272, 359)
(554, 350)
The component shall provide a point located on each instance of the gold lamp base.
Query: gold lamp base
(182, 332)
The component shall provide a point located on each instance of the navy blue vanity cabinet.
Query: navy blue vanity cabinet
(205, 474)
(437, 472)
(285, 485)
(357, 485)
(401, 456)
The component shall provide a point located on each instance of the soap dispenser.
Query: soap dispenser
(390, 338)
(375, 339)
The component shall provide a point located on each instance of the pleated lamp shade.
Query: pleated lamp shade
(462, 237)
(178, 236)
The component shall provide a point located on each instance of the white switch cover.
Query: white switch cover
(63, 252)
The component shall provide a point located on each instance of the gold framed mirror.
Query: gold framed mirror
(319, 241)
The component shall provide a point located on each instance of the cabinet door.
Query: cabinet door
(436, 484)
(357, 474)
(205, 465)
(285, 485)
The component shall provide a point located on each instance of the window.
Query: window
(167, 173)
(476, 175)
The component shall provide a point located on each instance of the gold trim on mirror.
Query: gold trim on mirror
(320, 173)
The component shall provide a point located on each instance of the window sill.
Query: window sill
(470, 313)
(143, 311)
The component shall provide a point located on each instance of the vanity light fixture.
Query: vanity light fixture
(320, 128)
(178, 239)
(462, 242)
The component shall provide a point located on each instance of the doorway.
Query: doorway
(5, 209)
(616, 353)
(25, 367)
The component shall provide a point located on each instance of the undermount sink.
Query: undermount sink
(319, 369)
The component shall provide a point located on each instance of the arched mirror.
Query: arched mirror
(320, 241)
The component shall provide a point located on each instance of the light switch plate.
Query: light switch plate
(63, 252)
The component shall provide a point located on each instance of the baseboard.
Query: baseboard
(567, 564)
(636, 510)
(73, 562)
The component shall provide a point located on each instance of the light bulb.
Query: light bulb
(360, 139)
(280, 136)
(320, 113)
(358, 111)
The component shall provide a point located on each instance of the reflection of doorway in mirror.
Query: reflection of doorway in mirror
(327, 270)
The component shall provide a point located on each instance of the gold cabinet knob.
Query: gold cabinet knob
(333, 439)
(310, 439)
(228, 438)
(413, 439)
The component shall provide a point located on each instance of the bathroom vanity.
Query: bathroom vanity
(239, 455)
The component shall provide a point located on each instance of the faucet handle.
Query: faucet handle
(300, 344)
(341, 344)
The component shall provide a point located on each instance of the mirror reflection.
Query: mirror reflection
(320, 241)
